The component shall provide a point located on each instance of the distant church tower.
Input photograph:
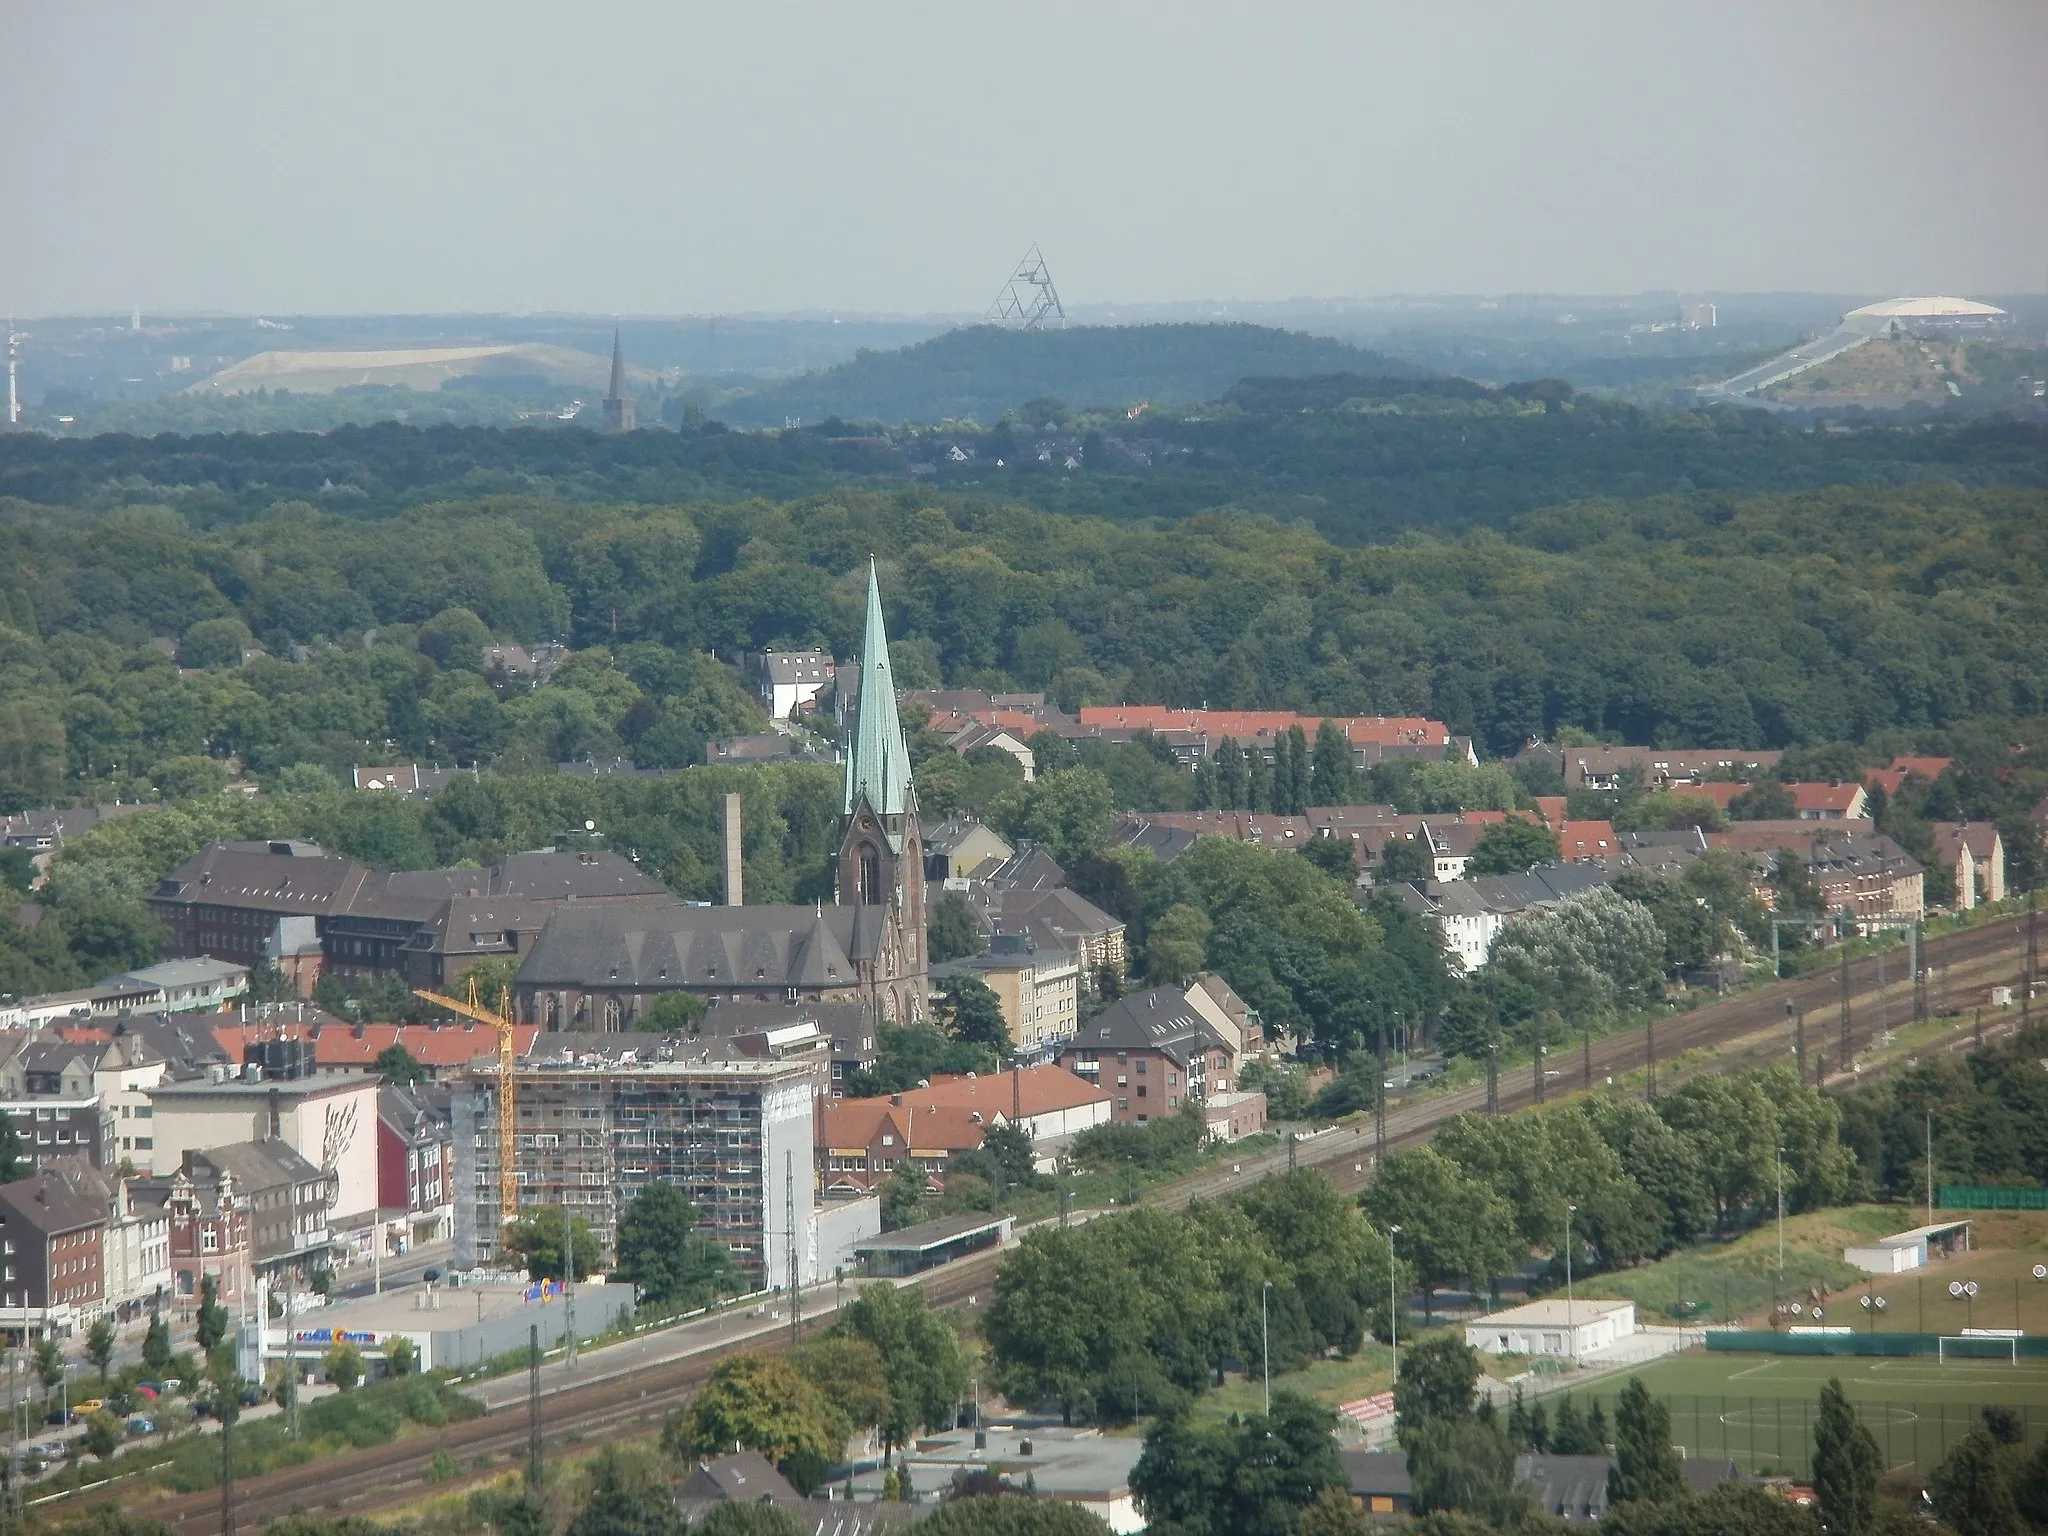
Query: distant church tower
(618, 405)
(881, 850)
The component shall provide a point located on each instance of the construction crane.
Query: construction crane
(499, 1019)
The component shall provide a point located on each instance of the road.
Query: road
(627, 1388)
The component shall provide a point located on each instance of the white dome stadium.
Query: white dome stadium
(1926, 309)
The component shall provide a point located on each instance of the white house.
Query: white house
(1553, 1326)
(791, 679)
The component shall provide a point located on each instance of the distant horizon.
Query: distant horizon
(1092, 311)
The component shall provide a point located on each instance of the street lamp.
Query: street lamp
(1393, 1303)
(1781, 1209)
(1265, 1343)
(1569, 1333)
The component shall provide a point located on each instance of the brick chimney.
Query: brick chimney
(733, 858)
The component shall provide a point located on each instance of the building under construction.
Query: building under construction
(600, 1117)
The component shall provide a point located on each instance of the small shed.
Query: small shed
(1911, 1249)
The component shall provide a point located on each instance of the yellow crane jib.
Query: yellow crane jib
(499, 1019)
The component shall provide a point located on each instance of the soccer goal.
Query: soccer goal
(1979, 1345)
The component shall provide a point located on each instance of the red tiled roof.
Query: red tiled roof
(1586, 839)
(861, 1122)
(1891, 779)
(1243, 724)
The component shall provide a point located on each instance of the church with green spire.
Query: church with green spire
(881, 852)
(600, 965)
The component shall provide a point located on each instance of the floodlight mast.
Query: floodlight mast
(1028, 313)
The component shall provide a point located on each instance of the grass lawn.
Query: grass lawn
(1740, 1278)
(1758, 1409)
(1329, 1382)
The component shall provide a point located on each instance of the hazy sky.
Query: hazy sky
(668, 158)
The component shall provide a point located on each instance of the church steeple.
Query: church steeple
(877, 761)
(618, 405)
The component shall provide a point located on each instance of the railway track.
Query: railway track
(1751, 1030)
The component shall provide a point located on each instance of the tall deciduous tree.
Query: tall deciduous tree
(1970, 1491)
(760, 1403)
(1645, 1465)
(1251, 1476)
(1331, 775)
(921, 1357)
(1846, 1465)
(1511, 846)
(661, 1252)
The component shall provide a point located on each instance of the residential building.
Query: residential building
(135, 1252)
(50, 1258)
(1658, 767)
(416, 1164)
(1040, 989)
(127, 1068)
(198, 985)
(960, 848)
(1029, 869)
(1893, 778)
(771, 747)
(602, 1116)
(1810, 802)
(1234, 1020)
(790, 681)
(338, 1048)
(1151, 1052)
(410, 781)
(45, 831)
(1975, 854)
(46, 1086)
(239, 1211)
(974, 736)
(860, 1141)
(1053, 918)
(331, 1122)
(599, 967)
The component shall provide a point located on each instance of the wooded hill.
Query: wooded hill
(981, 372)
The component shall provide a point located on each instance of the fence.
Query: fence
(1761, 1341)
(1774, 1436)
(1992, 1197)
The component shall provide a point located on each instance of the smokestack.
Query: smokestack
(733, 865)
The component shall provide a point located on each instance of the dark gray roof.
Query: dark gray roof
(1544, 886)
(669, 944)
(1381, 1472)
(44, 1202)
(255, 1165)
(746, 1477)
(542, 875)
(1164, 843)
(1030, 868)
(1158, 1020)
(184, 1045)
(281, 876)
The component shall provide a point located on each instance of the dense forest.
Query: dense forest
(1364, 458)
(1807, 618)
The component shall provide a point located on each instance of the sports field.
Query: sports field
(1758, 1409)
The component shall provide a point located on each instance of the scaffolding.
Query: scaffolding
(591, 1134)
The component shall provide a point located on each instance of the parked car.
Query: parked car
(59, 1416)
(141, 1426)
(90, 1405)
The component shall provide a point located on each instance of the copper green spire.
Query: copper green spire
(878, 762)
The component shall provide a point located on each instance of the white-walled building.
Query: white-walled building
(1553, 1326)
(329, 1121)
